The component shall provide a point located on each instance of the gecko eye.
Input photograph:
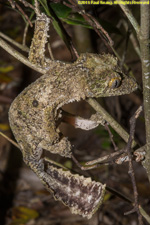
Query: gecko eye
(114, 83)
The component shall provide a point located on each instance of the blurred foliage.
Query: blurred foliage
(21, 215)
(6, 69)
(68, 164)
(105, 138)
(4, 127)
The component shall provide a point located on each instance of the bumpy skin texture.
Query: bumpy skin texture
(35, 110)
(36, 55)
(35, 114)
(82, 195)
(33, 119)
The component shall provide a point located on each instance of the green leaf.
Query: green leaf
(61, 11)
(77, 19)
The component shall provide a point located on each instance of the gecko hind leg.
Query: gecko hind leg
(62, 147)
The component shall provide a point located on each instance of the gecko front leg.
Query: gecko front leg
(37, 48)
(84, 124)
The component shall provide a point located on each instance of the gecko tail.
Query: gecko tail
(82, 195)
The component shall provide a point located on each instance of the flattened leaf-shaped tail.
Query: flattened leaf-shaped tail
(82, 195)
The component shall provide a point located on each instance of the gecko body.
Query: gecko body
(35, 113)
(33, 117)
(36, 110)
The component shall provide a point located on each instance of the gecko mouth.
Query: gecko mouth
(128, 85)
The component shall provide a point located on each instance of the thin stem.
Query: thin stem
(145, 56)
(144, 214)
(111, 137)
(24, 14)
(18, 45)
(119, 156)
(26, 30)
(27, 4)
(20, 57)
(133, 39)
(50, 52)
(131, 18)
(104, 158)
(10, 140)
(25, 34)
(131, 169)
(46, 159)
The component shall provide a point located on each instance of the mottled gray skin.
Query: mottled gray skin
(34, 116)
(37, 106)
(35, 113)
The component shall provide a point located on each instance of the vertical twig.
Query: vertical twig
(111, 137)
(126, 47)
(25, 34)
(14, 4)
(130, 17)
(133, 39)
(131, 170)
(26, 29)
(145, 56)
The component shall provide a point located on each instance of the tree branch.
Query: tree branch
(106, 116)
(145, 56)
(20, 57)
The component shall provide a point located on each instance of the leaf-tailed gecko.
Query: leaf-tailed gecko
(35, 112)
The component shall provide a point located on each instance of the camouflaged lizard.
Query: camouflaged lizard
(35, 113)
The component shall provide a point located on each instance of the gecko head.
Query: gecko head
(104, 77)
